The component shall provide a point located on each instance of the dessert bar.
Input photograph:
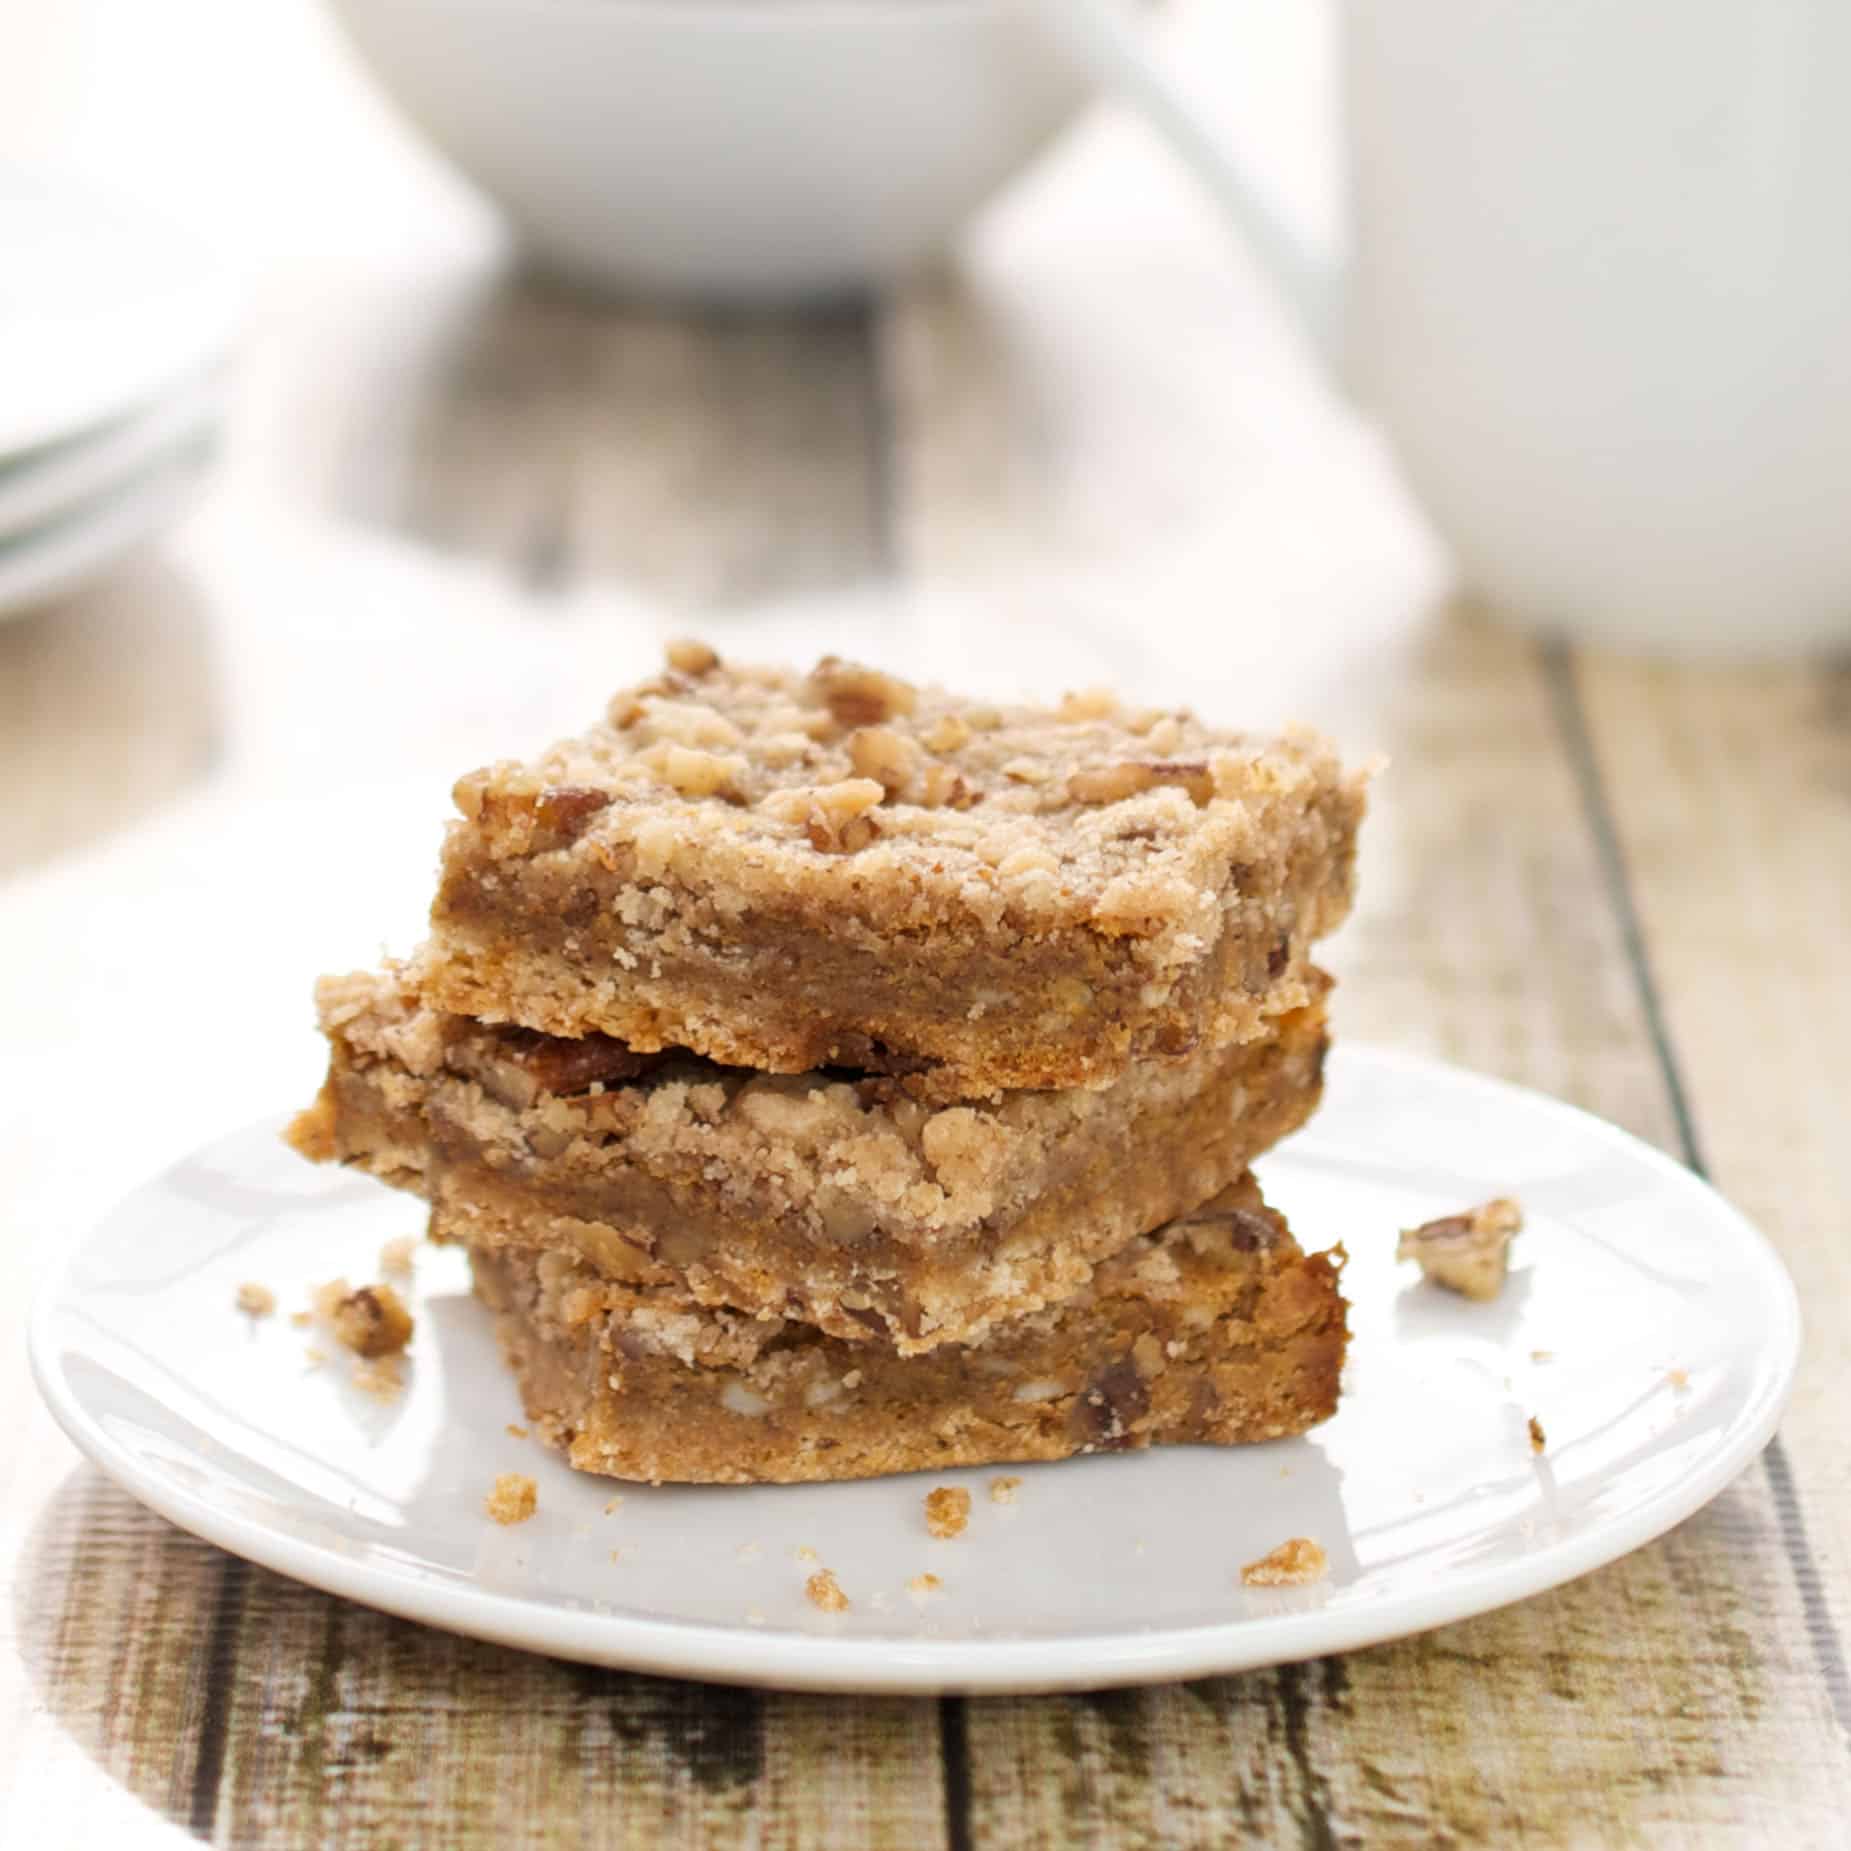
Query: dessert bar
(789, 872)
(838, 1199)
(1215, 1329)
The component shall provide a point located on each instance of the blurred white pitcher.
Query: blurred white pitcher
(1600, 296)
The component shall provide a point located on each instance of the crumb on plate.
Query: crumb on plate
(1678, 1378)
(1537, 1439)
(825, 1593)
(1297, 1562)
(804, 1553)
(516, 1431)
(381, 1378)
(372, 1321)
(1467, 1253)
(947, 1511)
(1003, 1490)
(514, 1498)
(1542, 1356)
(256, 1301)
(612, 1505)
(921, 1586)
(396, 1255)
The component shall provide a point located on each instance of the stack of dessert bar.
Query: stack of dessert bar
(830, 1077)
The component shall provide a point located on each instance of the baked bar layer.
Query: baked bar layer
(846, 1203)
(1216, 1329)
(787, 872)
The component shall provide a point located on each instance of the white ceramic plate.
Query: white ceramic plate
(1647, 1326)
(102, 306)
(57, 479)
(49, 560)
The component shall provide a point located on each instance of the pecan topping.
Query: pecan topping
(1130, 777)
(858, 696)
(692, 657)
(1469, 1253)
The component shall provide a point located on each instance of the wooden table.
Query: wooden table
(453, 509)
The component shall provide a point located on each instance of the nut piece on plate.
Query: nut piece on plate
(1469, 1253)
(513, 1499)
(372, 1321)
(947, 1511)
(1298, 1562)
(1538, 1439)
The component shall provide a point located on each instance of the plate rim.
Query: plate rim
(887, 1666)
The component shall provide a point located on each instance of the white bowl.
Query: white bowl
(747, 149)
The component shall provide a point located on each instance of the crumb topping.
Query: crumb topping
(1297, 1562)
(1091, 813)
(947, 1511)
(1467, 1253)
(825, 1593)
(256, 1301)
(372, 1321)
(513, 1498)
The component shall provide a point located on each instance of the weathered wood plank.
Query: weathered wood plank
(1730, 794)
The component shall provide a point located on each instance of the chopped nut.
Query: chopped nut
(1468, 1253)
(947, 1511)
(889, 758)
(396, 1256)
(839, 823)
(858, 696)
(694, 772)
(689, 656)
(1089, 704)
(1028, 771)
(948, 734)
(514, 1498)
(941, 788)
(256, 1301)
(825, 1593)
(1113, 783)
(372, 1321)
(1298, 1562)
(1003, 1490)
(1537, 1438)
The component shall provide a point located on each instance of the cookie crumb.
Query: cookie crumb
(302, 1319)
(824, 1593)
(922, 1587)
(314, 1357)
(396, 1256)
(372, 1321)
(514, 1498)
(1678, 1378)
(1468, 1253)
(256, 1301)
(515, 1432)
(612, 1505)
(325, 1300)
(1003, 1490)
(1537, 1439)
(1295, 1563)
(804, 1553)
(613, 1555)
(1542, 1356)
(947, 1511)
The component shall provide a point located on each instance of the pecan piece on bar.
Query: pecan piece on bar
(858, 696)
